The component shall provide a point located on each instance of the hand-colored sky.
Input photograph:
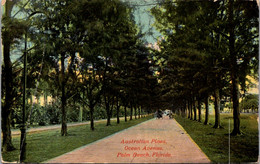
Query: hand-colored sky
(144, 19)
(142, 16)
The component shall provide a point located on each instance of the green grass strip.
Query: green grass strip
(46, 145)
(215, 142)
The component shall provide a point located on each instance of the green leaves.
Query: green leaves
(196, 45)
(13, 29)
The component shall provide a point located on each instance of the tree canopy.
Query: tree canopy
(88, 60)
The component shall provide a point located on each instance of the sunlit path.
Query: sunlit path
(154, 141)
(17, 133)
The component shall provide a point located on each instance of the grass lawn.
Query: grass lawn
(215, 142)
(49, 144)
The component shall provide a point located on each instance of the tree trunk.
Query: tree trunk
(139, 112)
(131, 112)
(194, 109)
(9, 85)
(234, 70)
(206, 110)
(111, 109)
(63, 98)
(135, 112)
(199, 108)
(217, 108)
(236, 112)
(7, 105)
(38, 102)
(188, 109)
(108, 111)
(117, 110)
(191, 116)
(125, 114)
(183, 110)
(91, 108)
(31, 100)
(6, 131)
(45, 98)
(80, 113)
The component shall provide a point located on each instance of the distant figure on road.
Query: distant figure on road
(168, 113)
(158, 114)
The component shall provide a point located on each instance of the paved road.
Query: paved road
(154, 141)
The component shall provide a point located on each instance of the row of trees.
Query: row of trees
(82, 52)
(89, 53)
(209, 48)
(249, 102)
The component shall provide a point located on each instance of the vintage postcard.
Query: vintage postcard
(129, 81)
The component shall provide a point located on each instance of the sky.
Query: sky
(144, 19)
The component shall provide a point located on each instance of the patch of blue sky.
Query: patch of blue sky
(144, 19)
(142, 15)
(16, 51)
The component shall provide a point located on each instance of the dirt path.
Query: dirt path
(154, 141)
(17, 132)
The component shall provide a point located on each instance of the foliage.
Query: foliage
(249, 102)
(44, 115)
(53, 113)
(208, 48)
(88, 56)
